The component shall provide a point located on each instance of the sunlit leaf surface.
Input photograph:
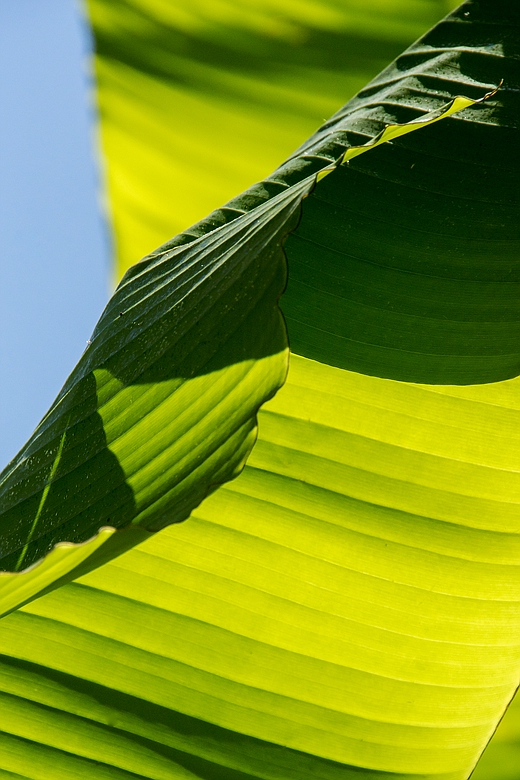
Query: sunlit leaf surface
(350, 604)
(161, 408)
(199, 100)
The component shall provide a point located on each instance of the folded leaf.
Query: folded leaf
(162, 406)
(349, 605)
(199, 100)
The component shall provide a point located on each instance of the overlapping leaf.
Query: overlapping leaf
(199, 100)
(350, 603)
(161, 408)
(175, 394)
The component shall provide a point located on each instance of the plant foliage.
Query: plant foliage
(349, 604)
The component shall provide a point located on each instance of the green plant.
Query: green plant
(349, 601)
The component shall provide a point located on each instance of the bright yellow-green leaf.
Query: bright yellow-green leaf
(199, 100)
(349, 605)
(161, 408)
(20, 587)
(502, 757)
(168, 425)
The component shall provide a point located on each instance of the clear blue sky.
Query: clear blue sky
(54, 245)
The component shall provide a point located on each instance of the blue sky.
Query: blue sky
(54, 245)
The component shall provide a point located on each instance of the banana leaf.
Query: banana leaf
(349, 603)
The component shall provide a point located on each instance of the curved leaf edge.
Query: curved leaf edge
(68, 560)
(391, 132)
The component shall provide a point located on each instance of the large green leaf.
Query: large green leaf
(198, 100)
(350, 603)
(160, 412)
(305, 617)
(161, 408)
